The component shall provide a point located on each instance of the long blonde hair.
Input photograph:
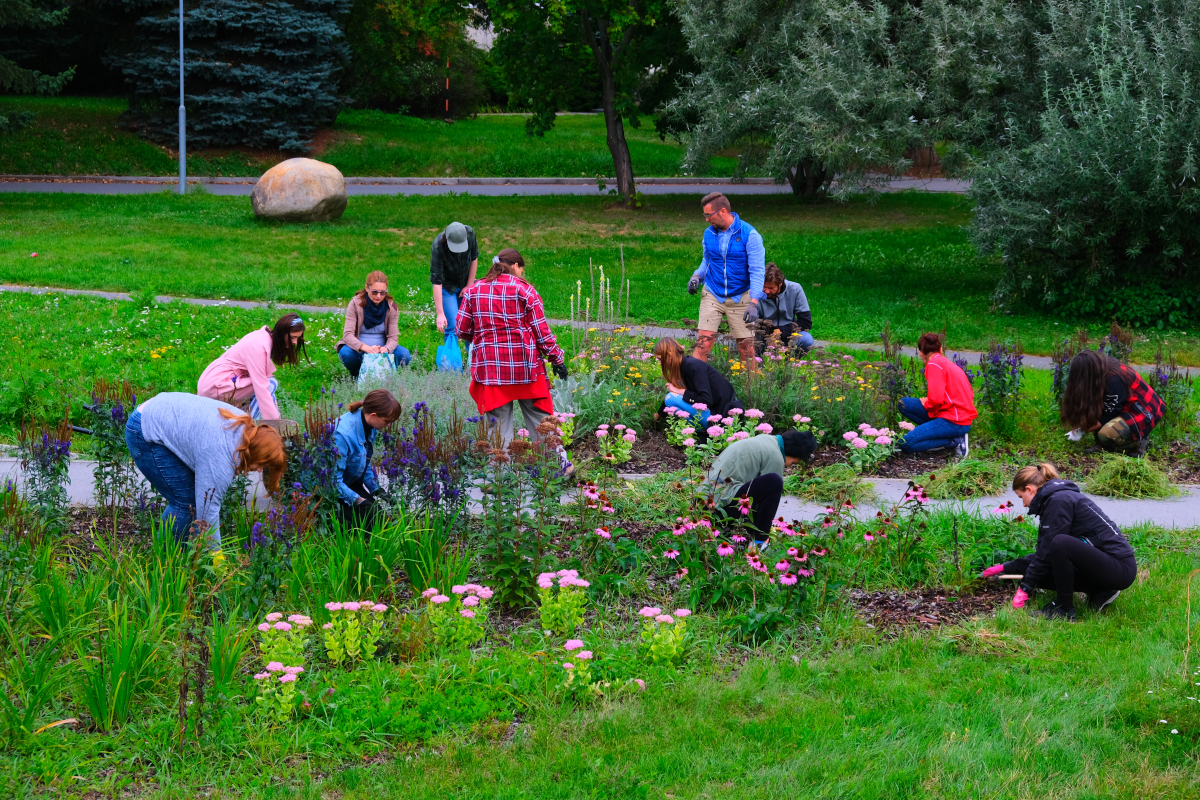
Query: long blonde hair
(262, 445)
(1034, 476)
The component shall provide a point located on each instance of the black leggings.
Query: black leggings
(1076, 566)
(765, 491)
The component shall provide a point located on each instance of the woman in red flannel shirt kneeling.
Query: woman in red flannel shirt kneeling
(944, 417)
(503, 318)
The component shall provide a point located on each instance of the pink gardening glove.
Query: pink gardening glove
(1019, 599)
(995, 569)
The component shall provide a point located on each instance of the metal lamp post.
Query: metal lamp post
(182, 113)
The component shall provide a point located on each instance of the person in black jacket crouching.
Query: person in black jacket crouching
(691, 381)
(1078, 549)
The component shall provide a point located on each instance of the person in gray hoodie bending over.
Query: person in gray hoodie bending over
(753, 468)
(190, 448)
(786, 310)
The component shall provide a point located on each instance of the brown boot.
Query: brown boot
(704, 345)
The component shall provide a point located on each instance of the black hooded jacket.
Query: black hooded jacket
(703, 384)
(1062, 509)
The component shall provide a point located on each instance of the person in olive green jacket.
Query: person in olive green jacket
(753, 468)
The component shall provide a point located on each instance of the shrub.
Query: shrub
(1103, 200)
(257, 75)
(1124, 477)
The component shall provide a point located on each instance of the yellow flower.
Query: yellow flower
(155, 355)
(840, 399)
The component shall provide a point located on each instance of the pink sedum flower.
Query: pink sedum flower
(664, 618)
(650, 611)
(274, 616)
(883, 440)
(264, 627)
(688, 431)
(700, 406)
(601, 434)
(573, 644)
(850, 436)
(715, 430)
(689, 442)
(428, 593)
(282, 626)
(568, 665)
(466, 612)
(682, 612)
(439, 599)
(287, 678)
(352, 606)
(584, 655)
(763, 428)
(379, 608)
(293, 670)
(641, 684)
(754, 413)
(333, 606)
(470, 602)
(630, 437)
(259, 676)
(523, 433)
(275, 666)
(906, 425)
(860, 444)
(328, 626)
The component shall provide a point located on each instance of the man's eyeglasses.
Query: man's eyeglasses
(713, 214)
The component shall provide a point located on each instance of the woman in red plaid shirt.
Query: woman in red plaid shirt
(503, 318)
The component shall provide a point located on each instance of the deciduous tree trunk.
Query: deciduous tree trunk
(607, 55)
(808, 179)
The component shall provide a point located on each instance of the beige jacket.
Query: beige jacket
(354, 320)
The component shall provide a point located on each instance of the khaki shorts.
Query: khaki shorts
(711, 311)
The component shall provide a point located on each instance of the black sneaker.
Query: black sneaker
(1098, 600)
(1055, 610)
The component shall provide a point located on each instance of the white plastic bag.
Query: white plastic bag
(375, 367)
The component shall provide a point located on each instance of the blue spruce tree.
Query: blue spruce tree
(259, 73)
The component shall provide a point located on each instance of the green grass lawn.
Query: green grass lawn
(904, 260)
(80, 136)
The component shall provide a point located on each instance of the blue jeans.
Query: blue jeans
(930, 434)
(450, 307)
(802, 342)
(676, 401)
(352, 359)
(169, 476)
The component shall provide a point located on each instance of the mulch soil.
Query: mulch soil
(897, 610)
(651, 453)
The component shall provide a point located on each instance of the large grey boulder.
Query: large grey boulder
(300, 190)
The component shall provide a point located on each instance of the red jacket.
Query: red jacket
(950, 396)
(504, 319)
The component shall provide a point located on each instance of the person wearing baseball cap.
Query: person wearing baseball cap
(453, 260)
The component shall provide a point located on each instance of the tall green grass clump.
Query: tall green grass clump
(1123, 477)
(827, 484)
(965, 479)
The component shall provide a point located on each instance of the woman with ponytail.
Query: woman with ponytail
(502, 316)
(246, 370)
(191, 448)
(691, 381)
(1079, 549)
(355, 441)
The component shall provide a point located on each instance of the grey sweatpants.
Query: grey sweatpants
(504, 414)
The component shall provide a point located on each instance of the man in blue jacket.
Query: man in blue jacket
(731, 272)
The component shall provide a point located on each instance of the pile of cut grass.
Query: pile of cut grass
(1123, 477)
(965, 479)
(827, 484)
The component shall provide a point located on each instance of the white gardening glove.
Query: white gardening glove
(1075, 435)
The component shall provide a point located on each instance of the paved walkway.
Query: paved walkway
(653, 332)
(498, 187)
(1180, 512)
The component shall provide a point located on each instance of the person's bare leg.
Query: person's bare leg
(704, 345)
(746, 353)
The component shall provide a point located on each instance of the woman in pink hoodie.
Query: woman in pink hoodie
(245, 371)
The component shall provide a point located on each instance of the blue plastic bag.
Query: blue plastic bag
(448, 356)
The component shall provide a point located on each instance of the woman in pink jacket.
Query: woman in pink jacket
(245, 371)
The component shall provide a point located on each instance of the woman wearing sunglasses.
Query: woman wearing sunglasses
(372, 326)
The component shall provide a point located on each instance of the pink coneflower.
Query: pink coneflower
(724, 550)
(793, 552)
(788, 579)
(868, 537)
(671, 554)
(603, 533)
(783, 566)
(738, 538)
(744, 506)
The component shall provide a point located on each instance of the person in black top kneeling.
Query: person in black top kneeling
(1078, 548)
(691, 381)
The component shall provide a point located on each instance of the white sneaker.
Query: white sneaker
(962, 448)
